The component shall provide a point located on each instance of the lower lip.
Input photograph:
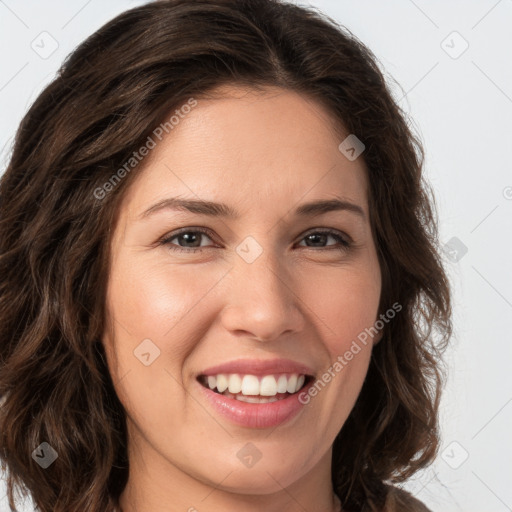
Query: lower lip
(255, 415)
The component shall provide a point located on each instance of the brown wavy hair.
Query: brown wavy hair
(106, 99)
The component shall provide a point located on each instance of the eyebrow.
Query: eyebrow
(213, 209)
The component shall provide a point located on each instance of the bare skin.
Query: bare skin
(303, 298)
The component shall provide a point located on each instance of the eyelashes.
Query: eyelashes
(344, 242)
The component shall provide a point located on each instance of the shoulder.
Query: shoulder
(399, 500)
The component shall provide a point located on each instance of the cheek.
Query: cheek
(161, 304)
(346, 301)
(157, 300)
(166, 304)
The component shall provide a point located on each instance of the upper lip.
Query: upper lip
(259, 367)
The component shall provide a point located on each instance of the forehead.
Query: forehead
(257, 151)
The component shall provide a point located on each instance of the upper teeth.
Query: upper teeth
(268, 385)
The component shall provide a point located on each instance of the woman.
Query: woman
(289, 358)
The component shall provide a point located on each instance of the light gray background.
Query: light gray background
(461, 103)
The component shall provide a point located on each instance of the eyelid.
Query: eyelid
(330, 231)
(191, 229)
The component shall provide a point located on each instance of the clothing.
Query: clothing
(399, 500)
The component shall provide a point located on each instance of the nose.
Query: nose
(261, 300)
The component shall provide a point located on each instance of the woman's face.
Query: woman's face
(264, 284)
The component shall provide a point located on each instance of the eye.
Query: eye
(193, 238)
(190, 236)
(321, 236)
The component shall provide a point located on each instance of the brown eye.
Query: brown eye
(186, 236)
(319, 238)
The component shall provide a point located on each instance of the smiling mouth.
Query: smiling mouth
(256, 389)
